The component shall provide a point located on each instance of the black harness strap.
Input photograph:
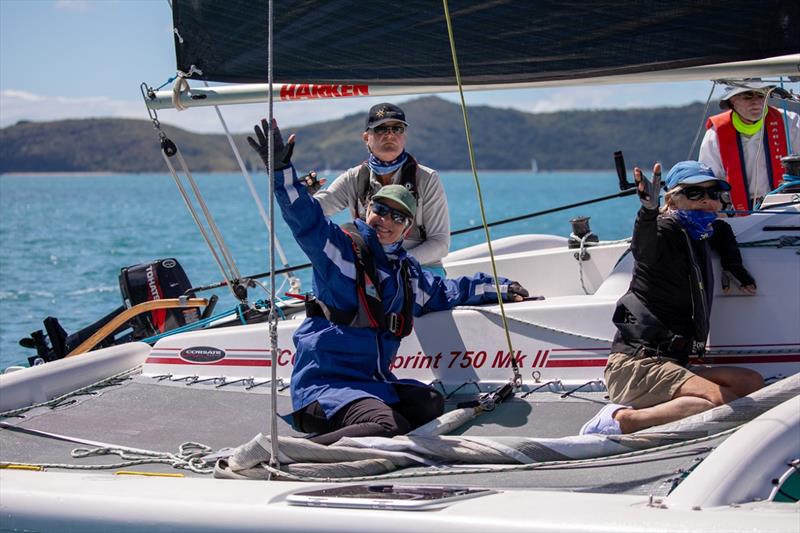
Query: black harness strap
(370, 313)
(367, 281)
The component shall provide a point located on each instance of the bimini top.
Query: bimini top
(405, 42)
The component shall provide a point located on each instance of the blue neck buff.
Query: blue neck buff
(394, 250)
(383, 167)
(697, 223)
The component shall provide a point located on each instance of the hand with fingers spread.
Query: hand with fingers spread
(282, 152)
(648, 190)
(312, 183)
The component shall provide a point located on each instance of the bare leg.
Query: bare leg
(709, 388)
(740, 381)
(631, 420)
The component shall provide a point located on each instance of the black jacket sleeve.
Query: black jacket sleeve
(723, 241)
(644, 243)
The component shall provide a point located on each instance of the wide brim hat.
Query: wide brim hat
(744, 87)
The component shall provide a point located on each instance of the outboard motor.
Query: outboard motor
(164, 278)
(155, 281)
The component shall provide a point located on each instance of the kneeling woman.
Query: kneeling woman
(367, 293)
(663, 318)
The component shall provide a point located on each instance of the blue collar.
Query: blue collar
(386, 167)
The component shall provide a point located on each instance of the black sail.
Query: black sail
(498, 41)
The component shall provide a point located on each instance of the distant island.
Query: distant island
(504, 139)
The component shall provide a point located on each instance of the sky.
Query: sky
(87, 58)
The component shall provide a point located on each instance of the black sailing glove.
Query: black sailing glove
(312, 183)
(741, 275)
(648, 190)
(516, 292)
(283, 152)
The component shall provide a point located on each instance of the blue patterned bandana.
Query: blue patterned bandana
(382, 167)
(696, 222)
(395, 250)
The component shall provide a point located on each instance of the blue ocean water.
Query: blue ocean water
(64, 238)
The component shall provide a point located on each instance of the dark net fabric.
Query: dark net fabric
(405, 42)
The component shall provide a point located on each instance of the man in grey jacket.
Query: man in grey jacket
(388, 163)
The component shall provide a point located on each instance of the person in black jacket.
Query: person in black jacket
(663, 318)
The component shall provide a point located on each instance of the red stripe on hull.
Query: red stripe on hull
(757, 359)
(223, 362)
(562, 363)
(784, 358)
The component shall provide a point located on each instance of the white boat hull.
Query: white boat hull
(565, 337)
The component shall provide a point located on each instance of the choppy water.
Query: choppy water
(65, 238)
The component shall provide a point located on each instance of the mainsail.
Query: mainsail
(405, 42)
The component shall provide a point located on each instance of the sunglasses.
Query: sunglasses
(382, 210)
(753, 95)
(698, 193)
(383, 130)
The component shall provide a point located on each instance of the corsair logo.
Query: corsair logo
(202, 354)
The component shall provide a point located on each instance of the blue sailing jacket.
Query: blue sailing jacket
(337, 364)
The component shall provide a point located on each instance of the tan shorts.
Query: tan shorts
(643, 381)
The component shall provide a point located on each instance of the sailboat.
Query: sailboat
(127, 437)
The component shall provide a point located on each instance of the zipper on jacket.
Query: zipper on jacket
(702, 292)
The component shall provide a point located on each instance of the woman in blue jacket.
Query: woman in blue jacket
(342, 385)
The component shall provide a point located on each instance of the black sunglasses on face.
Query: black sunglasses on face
(383, 130)
(382, 210)
(698, 193)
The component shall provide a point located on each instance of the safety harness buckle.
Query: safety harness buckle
(395, 323)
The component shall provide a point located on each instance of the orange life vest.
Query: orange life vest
(732, 153)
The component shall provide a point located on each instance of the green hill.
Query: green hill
(504, 139)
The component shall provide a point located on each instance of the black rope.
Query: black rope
(303, 266)
(620, 194)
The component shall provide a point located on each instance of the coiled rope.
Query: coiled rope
(189, 457)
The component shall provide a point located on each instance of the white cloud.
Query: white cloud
(21, 105)
(81, 6)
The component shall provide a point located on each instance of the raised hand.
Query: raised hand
(283, 152)
(312, 183)
(648, 190)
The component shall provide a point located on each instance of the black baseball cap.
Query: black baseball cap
(385, 112)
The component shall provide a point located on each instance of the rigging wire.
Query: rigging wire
(224, 250)
(517, 379)
(251, 186)
(702, 119)
(226, 274)
(273, 315)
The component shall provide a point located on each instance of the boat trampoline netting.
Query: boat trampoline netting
(499, 42)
